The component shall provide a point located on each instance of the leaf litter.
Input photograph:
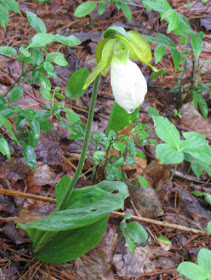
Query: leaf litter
(110, 259)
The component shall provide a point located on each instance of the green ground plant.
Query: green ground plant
(200, 271)
(80, 219)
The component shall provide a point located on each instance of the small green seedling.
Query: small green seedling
(200, 271)
(164, 242)
(133, 232)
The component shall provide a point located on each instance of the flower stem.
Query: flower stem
(85, 146)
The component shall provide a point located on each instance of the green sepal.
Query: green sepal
(104, 63)
(139, 48)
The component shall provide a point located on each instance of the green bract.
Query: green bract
(120, 47)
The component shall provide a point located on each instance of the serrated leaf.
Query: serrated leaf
(36, 22)
(85, 8)
(41, 40)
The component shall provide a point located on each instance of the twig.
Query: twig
(115, 213)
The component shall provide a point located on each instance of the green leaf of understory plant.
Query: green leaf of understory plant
(119, 118)
(75, 84)
(133, 232)
(4, 148)
(85, 8)
(36, 22)
(70, 233)
(175, 149)
(202, 271)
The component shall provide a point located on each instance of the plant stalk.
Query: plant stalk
(85, 146)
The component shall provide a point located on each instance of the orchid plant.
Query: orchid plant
(80, 219)
(115, 51)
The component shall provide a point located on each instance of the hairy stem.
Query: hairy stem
(84, 150)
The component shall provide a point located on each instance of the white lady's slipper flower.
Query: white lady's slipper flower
(128, 84)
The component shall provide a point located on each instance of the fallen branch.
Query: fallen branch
(115, 213)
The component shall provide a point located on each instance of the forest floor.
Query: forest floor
(56, 155)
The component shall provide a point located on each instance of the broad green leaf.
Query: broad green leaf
(74, 88)
(36, 22)
(137, 232)
(70, 233)
(8, 51)
(192, 271)
(34, 134)
(4, 16)
(196, 43)
(12, 5)
(85, 8)
(159, 53)
(152, 112)
(41, 40)
(70, 244)
(166, 131)
(4, 148)
(29, 155)
(16, 93)
(168, 154)
(61, 187)
(197, 147)
(119, 118)
(67, 41)
(178, 58)
(133, 233)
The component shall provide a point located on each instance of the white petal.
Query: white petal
(128, 84)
